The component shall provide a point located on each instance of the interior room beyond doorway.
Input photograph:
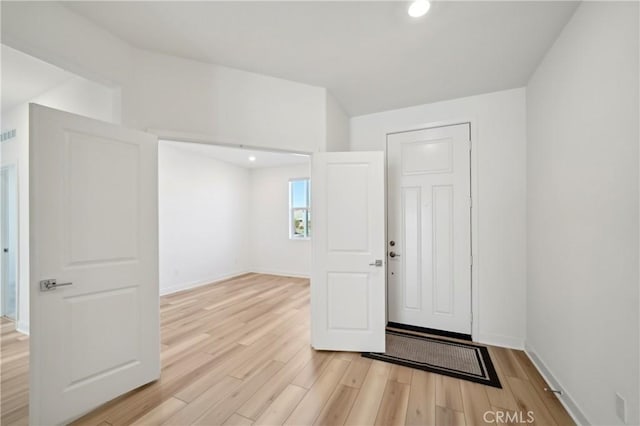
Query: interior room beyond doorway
(226, 211)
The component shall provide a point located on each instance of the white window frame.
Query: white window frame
(292, 234)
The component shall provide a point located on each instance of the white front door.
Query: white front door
(429, 228)
(348, 294)
(94, 225)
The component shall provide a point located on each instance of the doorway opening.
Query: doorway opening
(9, 232)
(225, 211)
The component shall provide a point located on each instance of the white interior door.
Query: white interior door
(429, 223)
(348, 294)
(94, 225)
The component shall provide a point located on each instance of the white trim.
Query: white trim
(190, 285)
(170, 135)
(475, 196)
(565, 398)
(193, 284)
(279, 273)
(475, 228)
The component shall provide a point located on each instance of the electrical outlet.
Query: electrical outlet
(621, 407)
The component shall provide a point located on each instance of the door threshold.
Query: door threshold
(433, 331)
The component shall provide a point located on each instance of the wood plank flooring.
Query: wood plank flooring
(237, 353)
(14, 375)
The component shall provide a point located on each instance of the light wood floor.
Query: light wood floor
(237, 353)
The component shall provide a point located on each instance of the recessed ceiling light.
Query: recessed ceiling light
(252, 158)
(419, 8)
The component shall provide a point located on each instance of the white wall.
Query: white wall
(582, 295)
(228, 105)
(169, 93)
(204, 218)
(66, 40)
(499, 145)
(271, 249)
(337, 126)
(78, 96)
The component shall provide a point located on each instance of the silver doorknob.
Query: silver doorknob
(393, 254)
(51, 284)
(377, 263)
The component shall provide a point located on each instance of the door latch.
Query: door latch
(51, 284)
(377, 263)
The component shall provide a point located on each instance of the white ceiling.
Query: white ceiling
(371, 55)
(25, 77)
(240, 156)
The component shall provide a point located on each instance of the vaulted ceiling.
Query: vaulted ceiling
(370, 55)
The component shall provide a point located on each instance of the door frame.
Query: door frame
(173, 136)
(475, 145)
(13, 168)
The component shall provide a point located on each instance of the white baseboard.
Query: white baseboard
(280, 273)
(499, 340)
(23, 327)
(565, 398)
(189, 285)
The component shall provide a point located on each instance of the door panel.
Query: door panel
(112, 217)
(429, 218)
(348, 293)
(345, 180)
(93, 213)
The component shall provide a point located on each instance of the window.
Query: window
(299, 208)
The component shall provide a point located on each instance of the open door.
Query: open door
(348, 294)
(93, 263)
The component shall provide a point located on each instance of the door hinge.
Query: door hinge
(470, 202)
(469, 144)
(471, 259)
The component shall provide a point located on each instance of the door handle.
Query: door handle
(51, 284)
(393, 254)
(377, 263)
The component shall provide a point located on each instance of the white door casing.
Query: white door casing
(429, 219)
(348, 291)
(94, 223)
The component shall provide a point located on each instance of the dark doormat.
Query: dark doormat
(464, 361)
